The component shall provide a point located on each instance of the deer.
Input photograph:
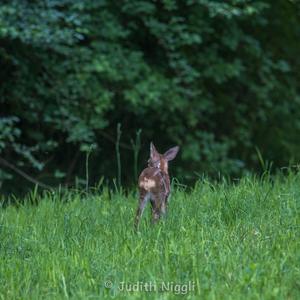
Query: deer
(154, 184)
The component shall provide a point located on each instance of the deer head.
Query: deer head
(160, 161)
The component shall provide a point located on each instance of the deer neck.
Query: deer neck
(164, 167)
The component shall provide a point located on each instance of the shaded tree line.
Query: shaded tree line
(218, 78)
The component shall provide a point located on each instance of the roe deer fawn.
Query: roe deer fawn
(154, 184)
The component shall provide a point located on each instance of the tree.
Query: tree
(217, 78)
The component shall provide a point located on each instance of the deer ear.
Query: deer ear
(153, 152)
(171, 153)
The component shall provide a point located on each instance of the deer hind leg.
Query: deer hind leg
(158, 206)
(144, 197)
(165, 203)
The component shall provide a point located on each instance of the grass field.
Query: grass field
(219, 241)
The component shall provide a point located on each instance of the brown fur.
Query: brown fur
(154, 184)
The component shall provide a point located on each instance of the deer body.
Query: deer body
(154, 184)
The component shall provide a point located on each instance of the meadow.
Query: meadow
(237, 240)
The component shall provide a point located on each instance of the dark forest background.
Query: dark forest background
(218, 78)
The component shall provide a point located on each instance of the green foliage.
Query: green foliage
(217, 78)
(236, 241)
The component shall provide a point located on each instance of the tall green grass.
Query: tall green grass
(231, 241)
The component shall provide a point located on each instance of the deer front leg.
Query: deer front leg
(142, 203)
